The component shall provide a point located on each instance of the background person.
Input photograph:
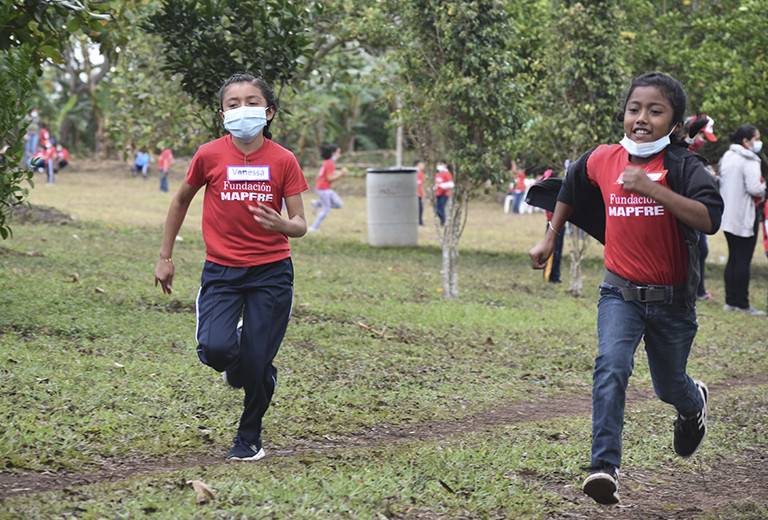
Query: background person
(164, 161)
(419, 165)
(741, 184)
(327, 198)
(699, 130)
(443, 186)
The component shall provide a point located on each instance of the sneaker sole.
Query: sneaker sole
(259, 455)
(602, 489)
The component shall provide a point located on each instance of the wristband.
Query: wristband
(169, 259)
(549, 224)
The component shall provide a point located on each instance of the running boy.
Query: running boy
(248, 270)
(650, 197)
(327, 198)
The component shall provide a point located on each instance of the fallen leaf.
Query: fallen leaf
(203, 491)
(100, 290)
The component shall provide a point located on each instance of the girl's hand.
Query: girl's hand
(164, 274)
(269, 219)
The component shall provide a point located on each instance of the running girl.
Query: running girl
(248, 270)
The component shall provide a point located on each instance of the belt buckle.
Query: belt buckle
(642, 297)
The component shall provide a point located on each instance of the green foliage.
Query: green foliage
(457, 89)
(147, 108)
(16, 83)
(45, 26)
(31, 32)
(206, 41)
(576, 84)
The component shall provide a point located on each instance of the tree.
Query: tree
(581, 77)
(206, 41)
(32, 31)
(457, 88)
(147, 108)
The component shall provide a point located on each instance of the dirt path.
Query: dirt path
(643, 496)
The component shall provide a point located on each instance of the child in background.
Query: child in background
(642, 191)
(141, 164)
(419, 165)
(327, 198)
(443, 185)
(62, 157)
(164, 161)
(248, 270)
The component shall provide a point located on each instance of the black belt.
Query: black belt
(635, 292)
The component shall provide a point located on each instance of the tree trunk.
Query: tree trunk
(455, 219)
(579, 243)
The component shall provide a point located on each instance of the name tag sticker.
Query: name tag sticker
(247, 173)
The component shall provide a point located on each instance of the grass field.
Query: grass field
(98, 369)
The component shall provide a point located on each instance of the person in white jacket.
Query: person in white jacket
(741, 185)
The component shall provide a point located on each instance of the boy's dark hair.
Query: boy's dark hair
(327, 150)
(259, 83)
(671, 89)
(416, 161)
(743, 132)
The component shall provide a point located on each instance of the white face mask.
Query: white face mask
(245, 123)
(757, 146)
(645, 149)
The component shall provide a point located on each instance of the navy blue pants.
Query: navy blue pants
(263, 295)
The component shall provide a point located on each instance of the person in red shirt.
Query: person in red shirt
(443, 185)
(652, 196)
(518, 192)
(699, 130)
(164, 161)
(327, 198)
(248, 270)
(419, 165)
(62, 157)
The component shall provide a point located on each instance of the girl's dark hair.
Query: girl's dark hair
(327, 150)
(743, 132)
(671, 89)
(259, 83)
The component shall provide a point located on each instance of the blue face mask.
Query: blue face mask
(245, 123)
(645, 149)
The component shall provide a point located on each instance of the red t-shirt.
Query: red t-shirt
(233, 181)
(441, 177)
(165, 158)
(420, 183)
(643, 239)
(328, 168)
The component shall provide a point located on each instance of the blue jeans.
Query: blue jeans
(440, 202)
(668, 330)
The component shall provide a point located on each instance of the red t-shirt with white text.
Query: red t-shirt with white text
(643, 240)
(233, 181)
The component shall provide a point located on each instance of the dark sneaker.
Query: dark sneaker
(603, 485)
(241, 450)
(689, 432)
